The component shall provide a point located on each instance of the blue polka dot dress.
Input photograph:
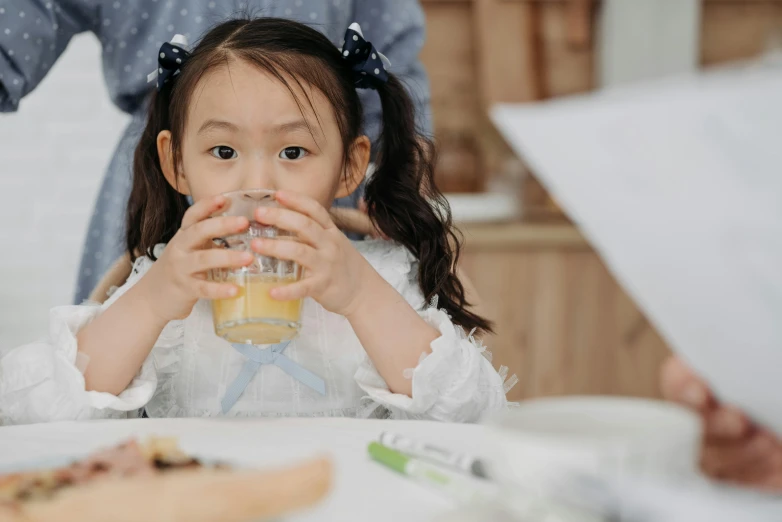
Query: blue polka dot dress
(33, 34)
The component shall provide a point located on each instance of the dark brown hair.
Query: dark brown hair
(401, 197)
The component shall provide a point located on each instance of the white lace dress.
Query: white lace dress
(190, 368)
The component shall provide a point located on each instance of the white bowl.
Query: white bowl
(609, 437)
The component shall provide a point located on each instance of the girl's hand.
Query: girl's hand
(334, 271)
(734, 450)
(178, 279)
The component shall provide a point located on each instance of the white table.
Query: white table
(363, 490)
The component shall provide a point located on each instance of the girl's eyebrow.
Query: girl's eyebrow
(292, 126)
(213, 124)
(281, 129)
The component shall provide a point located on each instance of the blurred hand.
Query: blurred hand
(735, 450)
(355, 220)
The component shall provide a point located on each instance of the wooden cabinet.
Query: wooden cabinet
(562, 323)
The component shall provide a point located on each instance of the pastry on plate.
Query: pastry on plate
(157, 482)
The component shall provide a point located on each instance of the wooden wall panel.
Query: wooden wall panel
(506, 65)
(738, 29)
(450, 58)
(568, 68)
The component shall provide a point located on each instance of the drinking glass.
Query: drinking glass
(252, 316)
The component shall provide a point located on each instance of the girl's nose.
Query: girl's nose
(259, 177)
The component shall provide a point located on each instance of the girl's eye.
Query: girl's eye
(223, 152)
(293, 153)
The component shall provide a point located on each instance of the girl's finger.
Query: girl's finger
(679, 384)
(304, 227)
(298, 290)
(307, 206)
(202, 209)
(287, 249)
(211, 290)
(204, 231)
(203, 260)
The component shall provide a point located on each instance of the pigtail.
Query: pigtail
(404, 203)
(155, 210)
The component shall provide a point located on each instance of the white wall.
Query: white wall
(647, 39)
(53, 152)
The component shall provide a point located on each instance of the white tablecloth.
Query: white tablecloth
(363, 490)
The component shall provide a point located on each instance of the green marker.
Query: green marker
(426, 473)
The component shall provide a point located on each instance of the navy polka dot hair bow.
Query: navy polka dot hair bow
(170, 58)
(368, 64)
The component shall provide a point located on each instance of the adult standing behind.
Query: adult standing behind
(33, 34)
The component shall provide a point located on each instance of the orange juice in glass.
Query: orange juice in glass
(252, 316)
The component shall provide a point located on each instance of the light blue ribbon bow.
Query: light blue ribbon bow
(271, 355)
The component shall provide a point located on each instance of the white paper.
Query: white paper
(678, 185)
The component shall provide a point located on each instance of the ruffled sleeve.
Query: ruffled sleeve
(44, 381)
(454, 383)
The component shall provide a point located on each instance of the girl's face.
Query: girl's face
(245, 130)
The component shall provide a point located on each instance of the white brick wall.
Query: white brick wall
(52, 156)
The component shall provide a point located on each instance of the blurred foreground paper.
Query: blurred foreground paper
(678, 185)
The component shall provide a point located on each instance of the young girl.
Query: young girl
(271, 104)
